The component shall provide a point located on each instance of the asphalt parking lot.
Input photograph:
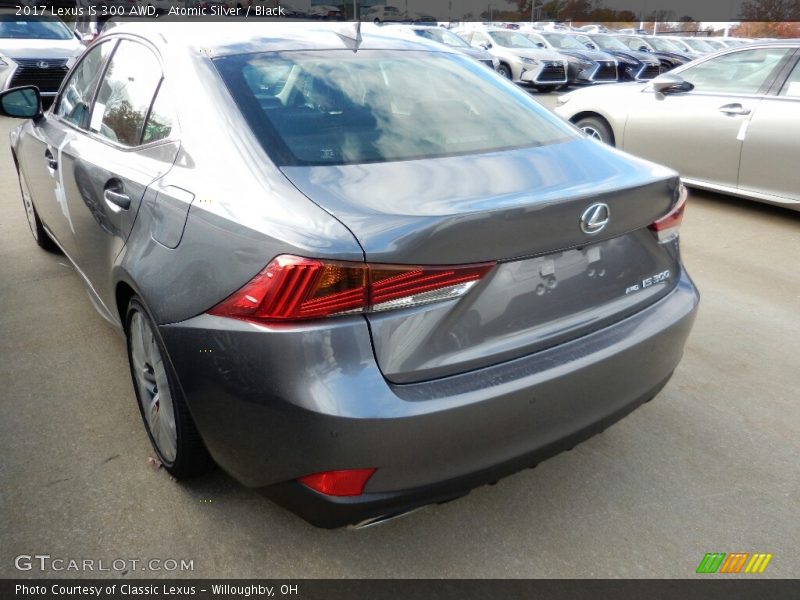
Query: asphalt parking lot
(710, 465)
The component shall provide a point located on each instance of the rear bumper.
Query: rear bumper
(275, 404)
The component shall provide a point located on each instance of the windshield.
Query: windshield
(43, 28)
(536, 39)
(664, 45)
(511, 39)
(699, 45)
(609, 43)
(437, 34)
(565, 42)
(635, 43)
(336, 107)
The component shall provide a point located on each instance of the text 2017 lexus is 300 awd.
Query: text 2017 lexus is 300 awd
(361, 275)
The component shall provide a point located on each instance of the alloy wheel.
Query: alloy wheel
(155, 398)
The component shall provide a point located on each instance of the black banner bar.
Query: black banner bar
(573, 11)
(710, 588)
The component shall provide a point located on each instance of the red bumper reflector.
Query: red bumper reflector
(338, 483)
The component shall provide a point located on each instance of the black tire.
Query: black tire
(191, 456)
(505, 71)
(38, 232)
(596, 127)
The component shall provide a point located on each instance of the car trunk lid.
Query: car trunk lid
(522, 208)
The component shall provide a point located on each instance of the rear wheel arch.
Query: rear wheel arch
(123, 294)
(186, 454)
(589, 115)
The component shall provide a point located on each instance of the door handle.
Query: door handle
(734, 109)
(116, 199)
(52, 163)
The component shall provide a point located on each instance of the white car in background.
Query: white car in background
(727, 122)
(36, 51)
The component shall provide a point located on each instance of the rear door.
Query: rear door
(699, 133)
(771, 153)
(131, 141)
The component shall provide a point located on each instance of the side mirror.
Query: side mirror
(669, 83)
(486, 45)
(22, 103)
(644, 49)
(540, 45)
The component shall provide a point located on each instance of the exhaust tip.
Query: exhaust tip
(380, 520)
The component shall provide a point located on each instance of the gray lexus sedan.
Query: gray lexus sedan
(360, 274)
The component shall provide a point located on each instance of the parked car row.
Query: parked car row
(592, 54)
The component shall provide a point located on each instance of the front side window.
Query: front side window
(664, 45)
(637, 44)
(742, 72)
(337, 107)
(442, 36)
(564, 41)
(699, 45)
(125, 94)
(510, 39)
(609, 43)
(76, 96)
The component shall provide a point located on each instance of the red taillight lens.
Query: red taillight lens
(397, 286)
(293, 288)
(667, 226)
(339, 483)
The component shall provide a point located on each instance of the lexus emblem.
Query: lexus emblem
(595, 218)
(42, 64)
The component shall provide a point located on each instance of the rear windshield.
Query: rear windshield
(340, 107)
(41, 28)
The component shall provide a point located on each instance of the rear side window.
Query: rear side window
(743, 72)
(125, 94)
(340, 107)
(162, 123)
(76, 96)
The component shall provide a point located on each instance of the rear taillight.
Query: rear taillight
(295, 288)
(350, 482)
(667, 226)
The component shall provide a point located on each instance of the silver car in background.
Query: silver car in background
(728, 122)
(36, 51)
(521, 60)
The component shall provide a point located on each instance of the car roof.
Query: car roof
(216, 39)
